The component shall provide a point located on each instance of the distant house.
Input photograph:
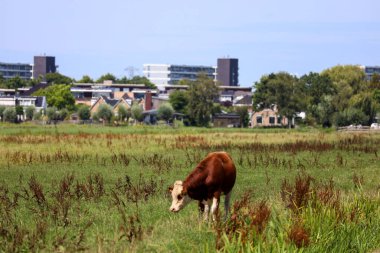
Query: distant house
(25, 101)
(226, 120)
(267, 118)
(114, 103)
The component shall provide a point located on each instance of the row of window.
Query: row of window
(272, 119)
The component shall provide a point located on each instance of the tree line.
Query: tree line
(337, 96)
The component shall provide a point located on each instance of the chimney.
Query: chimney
(148, 100)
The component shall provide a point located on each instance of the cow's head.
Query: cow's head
(179, 195)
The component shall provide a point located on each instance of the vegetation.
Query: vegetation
(93, 188)
(105, 113)
(125, 80)
(84, 112)
(201, 95)
(339, 95)
(59, 96)
(165, 112)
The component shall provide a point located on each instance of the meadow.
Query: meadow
(69, 188)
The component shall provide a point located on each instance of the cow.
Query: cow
(213, 176)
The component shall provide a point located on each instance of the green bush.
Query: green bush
(9, 114)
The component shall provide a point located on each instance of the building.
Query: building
(228, 72)
(88, 93)
(43, 65)
(25, 101)
(268, 118)
(370, 71)
(10, 70)
(226, 120)
(164, 74)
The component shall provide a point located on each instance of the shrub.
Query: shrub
(105, 113)
(137, 112)
(84, 113)
(29, 112)
(9, 114)
(351, 116)
(165, 112)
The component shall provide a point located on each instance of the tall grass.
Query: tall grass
(92, 188)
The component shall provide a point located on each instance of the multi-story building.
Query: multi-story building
(228, 72)
(370, 71)
(164, 74)
(43, 65)
(10, 70)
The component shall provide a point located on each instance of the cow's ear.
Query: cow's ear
(170, 188)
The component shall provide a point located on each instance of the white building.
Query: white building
(10, 70)
(164, 74)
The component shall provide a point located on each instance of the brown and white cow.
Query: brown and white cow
(213, 176)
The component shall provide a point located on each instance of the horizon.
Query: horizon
(94, 38)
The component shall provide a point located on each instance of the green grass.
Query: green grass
(114, 214)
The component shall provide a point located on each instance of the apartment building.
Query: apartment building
(10, 70)
(164, 74)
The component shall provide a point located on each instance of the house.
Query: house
(226, 120)
(114, 103)
(25, 101)
(268, 118)
(89, 93)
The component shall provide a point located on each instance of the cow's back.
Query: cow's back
(222, 171)
(216, 172)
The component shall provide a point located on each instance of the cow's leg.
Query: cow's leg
(215, 205)
(201, 208)
(206, 211)
(227, 204)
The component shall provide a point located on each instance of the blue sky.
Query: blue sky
(96, 37)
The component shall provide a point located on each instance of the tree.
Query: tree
(142, 80)
(19, 111)
(84, 112)
(58, 95)
(244, 116)
(351, 116)
(137, 112)
(29, 112)
(347, 80)
(202, 93)
(57, 78)
(179, 100)
(317, 86)
(282, 90)
(2, 109)
(86, 79)
(165, 112)
(366, 103)
(9, 114)
(52, 114)
(122, 113)
(324, 111)
(107, 77)
(15, 83)
(105, 113)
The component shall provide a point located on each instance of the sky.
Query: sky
(95, 37)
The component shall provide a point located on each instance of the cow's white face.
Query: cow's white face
(180, 198)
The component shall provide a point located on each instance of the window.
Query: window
(272, 120)
(259, 119)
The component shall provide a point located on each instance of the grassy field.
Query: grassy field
(69, 188)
